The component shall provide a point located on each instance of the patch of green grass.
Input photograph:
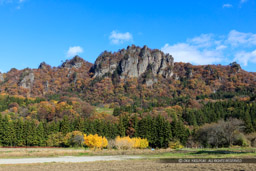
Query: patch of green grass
(208, 153)
(83, 154)
(104, 110)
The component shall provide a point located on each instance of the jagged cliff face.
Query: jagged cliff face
(27, 79)
(134, 62)
(1, 77)
(76, 62)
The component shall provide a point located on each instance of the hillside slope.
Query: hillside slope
(128, 75)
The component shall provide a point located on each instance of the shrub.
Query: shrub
(140, 143)
(252, 139)
(74, 139)
(55, 140)
(175, 145)
(123, 143)
(95, 141)
(111, 144)
(128, 143)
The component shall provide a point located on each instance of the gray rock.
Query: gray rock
(1, 77)
(151, 81)
(133, 62)
(46, 86)
(105, 64)
(176, 77)
(44, 66)
(27, 79)
(76, 62)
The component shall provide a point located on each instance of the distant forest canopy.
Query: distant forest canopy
(32, 122)
(155, 99)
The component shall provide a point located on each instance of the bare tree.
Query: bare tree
(220, 133)
(229, 128)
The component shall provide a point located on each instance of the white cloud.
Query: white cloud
(184, 52)
(5, 1)
(204, 40)
(236, 38)
(11, 1)
(243, 1)
(201, 50)
(75, 50)
(119, 38)
(221, 47)
(227, 5)
(245, 57)
(210, 49)
(17, 3)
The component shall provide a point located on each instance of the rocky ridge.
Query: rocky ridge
(76, 62)
(134, 62)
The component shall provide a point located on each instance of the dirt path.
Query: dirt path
(66, 159)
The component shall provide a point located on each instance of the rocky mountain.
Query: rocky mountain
(134, 62)
(128, 75)
(46, 79)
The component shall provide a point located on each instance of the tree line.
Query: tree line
(213, 112)
(158, 131)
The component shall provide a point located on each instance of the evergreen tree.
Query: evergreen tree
(1, 129)
(179, 131)
(65, 125)
(248, 123)
(40, 135)
(121, 127)
(136, 125)
(6, 139)
(19, 129)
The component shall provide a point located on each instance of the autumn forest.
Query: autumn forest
(138, 93)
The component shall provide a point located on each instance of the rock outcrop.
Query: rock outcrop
(134, 62)
(1, 77)
(75, 62)
(235, 67)
(44, 66)
(27, 79)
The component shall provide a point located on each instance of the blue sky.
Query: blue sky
(199, 32)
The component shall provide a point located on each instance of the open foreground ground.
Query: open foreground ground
(141, 165)
(80, 159)
(6, 153)
(66, 159)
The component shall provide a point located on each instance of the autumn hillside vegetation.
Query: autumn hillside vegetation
(156, 103)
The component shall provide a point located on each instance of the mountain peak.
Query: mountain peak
(75, 62)
(44, 66)
(134, 62)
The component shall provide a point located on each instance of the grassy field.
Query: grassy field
(146, 153)
(150, 159)
(209, 153)
(104, 110)
(143, 165)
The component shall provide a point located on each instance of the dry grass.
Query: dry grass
(145, 165)
(51, 152)
(158, 153)
(38, 152)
